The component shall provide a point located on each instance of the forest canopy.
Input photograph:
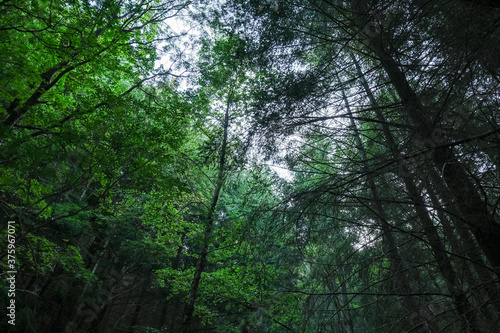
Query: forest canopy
(250, 166)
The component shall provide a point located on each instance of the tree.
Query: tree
(87, 125)
(314, 45)
(140, 199)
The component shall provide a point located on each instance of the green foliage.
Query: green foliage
(125, 180)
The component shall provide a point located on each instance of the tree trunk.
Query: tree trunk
(473, 209)
(389, 243)
(438, 248)
(202, 258)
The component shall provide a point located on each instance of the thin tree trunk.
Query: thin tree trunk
(478, 273)
(389, 243)
(202, 258)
